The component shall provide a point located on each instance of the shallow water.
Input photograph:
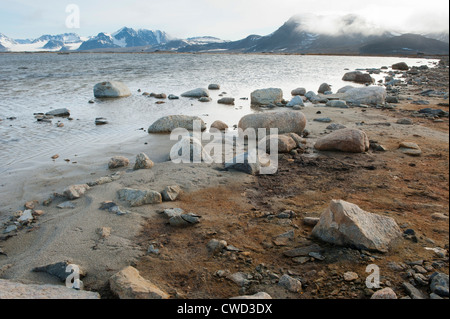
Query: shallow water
(33, 83)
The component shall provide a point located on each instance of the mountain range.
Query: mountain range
(351, 35)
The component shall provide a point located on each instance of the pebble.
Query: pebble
(350, 276)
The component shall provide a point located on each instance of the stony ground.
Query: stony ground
(247, 216)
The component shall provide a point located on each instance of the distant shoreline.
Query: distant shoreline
(413, 56)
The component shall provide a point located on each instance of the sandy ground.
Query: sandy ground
(240, 209)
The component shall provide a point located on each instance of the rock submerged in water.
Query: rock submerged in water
(226, 100)
(266, 96)
(168, 123)
(345, 224)
(358, 77)
(214, 87)
(59, 113)
(112, 89)
(118, 161)
(196, 93)
(344, 140)
(285, 122)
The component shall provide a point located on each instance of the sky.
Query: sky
(225, 19)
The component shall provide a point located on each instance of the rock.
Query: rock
(410, 148)
(303, 251)
(128, 284)
(219, 125)
(172, 97)
(310, 95)
(143, 162)
(346, 224)
(205, 99)
(184, 220)
(291, 284)
(259, 295)
(285, 143)
(66, 205)
(324, 87)
(214, 87)
(170, 193)
(344, 140)
(337, 103)
(358, 77)
(323, 120)
(316, 255)
(239, 279)
(59, 270)
(335, 127)
(10, 229)
(400, 66)
(392, 99)
(75, 191)
(137, 197)
(405, 121)
(285, 122)
(365, 95)
(297, 100)
(311, 221)
(159, 96)
(350, 276)
(167, 124)
(104, 232)
(171, 212)
(59, 113)
(386, 293)
(226, 100)
(298, 91)
(285, 238)
(439, 284)
(266, 96)
(439, 216)
(245, 163)
(15, 290)
(196, 93)
(112, 89)
(345, 89)
(118, 161)
(26, 217)
(189, 150)
(413, 292)
(215, 246)
(101, 121)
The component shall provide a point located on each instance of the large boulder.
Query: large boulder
(358, 77)
(196, 93)
(266, 96)
(285, 122)
(365, 95)
(344, 140)
(15, 290)
(168, 123)
(346, 224)
(112, 89)
(129, 284)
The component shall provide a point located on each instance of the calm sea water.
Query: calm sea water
(32, 83)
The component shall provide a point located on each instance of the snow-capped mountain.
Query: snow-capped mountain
(126, 38)
(66, 41)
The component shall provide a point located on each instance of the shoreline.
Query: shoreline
(414, 56)
(208, 190)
